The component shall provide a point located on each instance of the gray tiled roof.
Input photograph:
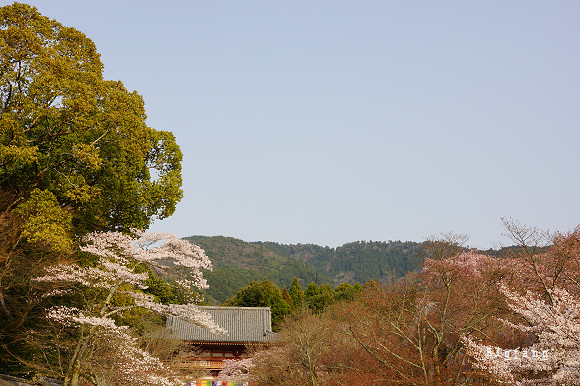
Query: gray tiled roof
(244, 325)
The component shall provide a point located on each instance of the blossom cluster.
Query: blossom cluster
(189, 312)
(73, 315)
(137, 365)
(119, 253)
(115, 272)
(236, 370)
(106, 275)
(557, 327)
(471, 261)
(151, 248)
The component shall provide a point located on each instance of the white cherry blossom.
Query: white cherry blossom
(115, 273)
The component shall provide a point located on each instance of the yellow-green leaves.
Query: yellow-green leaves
(12, 156)
(45, 222)
(67, 131)
(87, 155)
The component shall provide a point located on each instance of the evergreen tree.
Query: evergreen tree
(296, 294)
(318, 298)
(322, 299)
(345, 292)
(311, 291)
(287, 298)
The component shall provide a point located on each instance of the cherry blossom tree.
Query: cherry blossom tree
(114, 285)
(459, 297)
(554, 358)
(543, 292)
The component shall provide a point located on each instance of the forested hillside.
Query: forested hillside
(236, 263)
(358, 261)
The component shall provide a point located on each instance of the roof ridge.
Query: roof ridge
(234, 308)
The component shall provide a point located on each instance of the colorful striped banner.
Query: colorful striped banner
(214, 383)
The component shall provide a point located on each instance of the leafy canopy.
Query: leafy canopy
(69, 136)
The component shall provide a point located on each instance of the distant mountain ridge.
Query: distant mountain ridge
(237, 262)
(358, 261)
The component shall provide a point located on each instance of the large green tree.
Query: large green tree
(71, 138)
(76, 156)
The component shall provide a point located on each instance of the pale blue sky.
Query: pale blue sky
(333, 121)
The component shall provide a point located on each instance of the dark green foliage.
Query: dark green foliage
(296, 294)
(311, 291)
(168, 293)
(318, 298)
(347, 292)
(262, 294)
(360, 261)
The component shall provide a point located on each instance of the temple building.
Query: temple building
(245, 326)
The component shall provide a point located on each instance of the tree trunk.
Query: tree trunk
(76, 373)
